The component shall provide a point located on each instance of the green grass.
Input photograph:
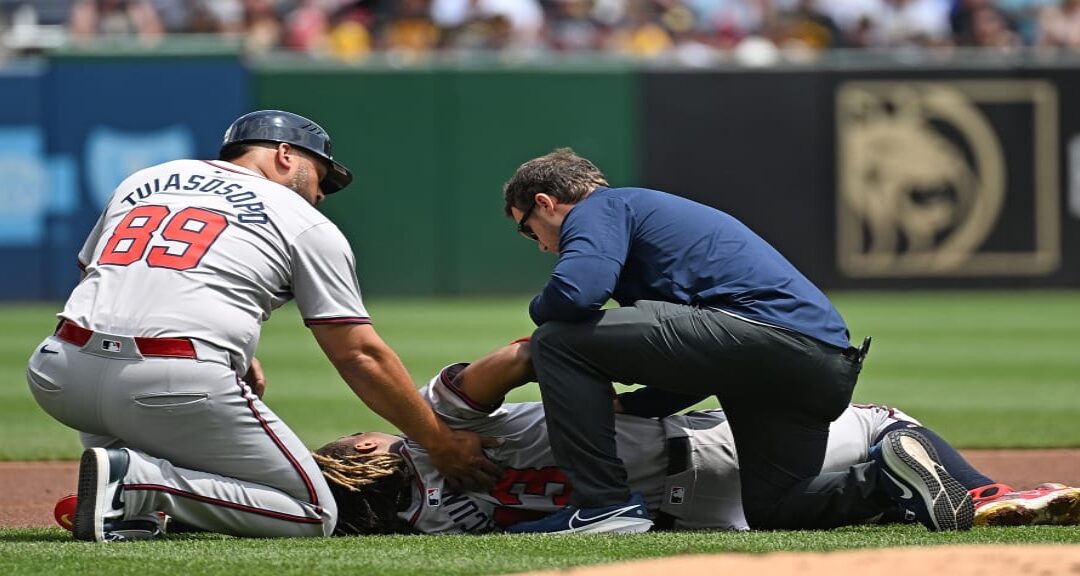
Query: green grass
(994, 369)
(984, 369)
(50, 551)
(990, 369)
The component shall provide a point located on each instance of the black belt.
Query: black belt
(678, 455)
(857, 355)
(678, 460)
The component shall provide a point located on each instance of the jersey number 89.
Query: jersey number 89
(195, 228)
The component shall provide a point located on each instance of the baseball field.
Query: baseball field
(987, 370)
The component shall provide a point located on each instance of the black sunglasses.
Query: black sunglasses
(523, 228)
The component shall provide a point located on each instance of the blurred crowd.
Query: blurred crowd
(351, 30)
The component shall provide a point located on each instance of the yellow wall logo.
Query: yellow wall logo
(925, 184)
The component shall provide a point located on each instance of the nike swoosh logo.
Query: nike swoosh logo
(66, 521)
(595, 519)
(905, 492)
(45, 350)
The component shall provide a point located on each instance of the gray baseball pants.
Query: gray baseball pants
(779, 389)
(204, 449)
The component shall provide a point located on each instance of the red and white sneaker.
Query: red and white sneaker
(1051, 503)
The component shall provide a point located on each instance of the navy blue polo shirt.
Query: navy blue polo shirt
(634, 244)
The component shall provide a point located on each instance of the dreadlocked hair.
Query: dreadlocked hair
(369, 490)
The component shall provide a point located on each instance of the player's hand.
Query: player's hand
(460, 458)
(256, 378)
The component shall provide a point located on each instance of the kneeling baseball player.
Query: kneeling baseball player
(684, 467)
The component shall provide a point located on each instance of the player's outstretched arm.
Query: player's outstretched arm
(487, 380)
(377, 376)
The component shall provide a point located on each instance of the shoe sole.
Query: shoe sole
(1056, 509)
(613, 526)
(93, 478)
(914, 461)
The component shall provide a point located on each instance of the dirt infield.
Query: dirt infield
(951, 560)
(28, 490)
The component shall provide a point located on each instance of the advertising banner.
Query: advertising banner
(72, 130)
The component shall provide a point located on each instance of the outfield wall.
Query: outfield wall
(884, 178)
(866, 177)
(431, 150)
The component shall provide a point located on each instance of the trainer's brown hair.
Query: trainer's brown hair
(563, 174)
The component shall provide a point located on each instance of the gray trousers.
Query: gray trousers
(779, 389)
(204, 448)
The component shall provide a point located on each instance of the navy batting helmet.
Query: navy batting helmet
(281, 126)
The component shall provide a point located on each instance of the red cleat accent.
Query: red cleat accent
(1052, 504)
(64, 512)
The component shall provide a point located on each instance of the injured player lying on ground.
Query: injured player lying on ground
(684, 466)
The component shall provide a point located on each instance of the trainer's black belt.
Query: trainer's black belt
(857, 355)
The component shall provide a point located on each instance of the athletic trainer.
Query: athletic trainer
(706, 307)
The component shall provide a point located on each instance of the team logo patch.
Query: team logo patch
(111, 345)
(434, 497)
(677, 495)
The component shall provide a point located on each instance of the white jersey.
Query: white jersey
(205, 250)
(705, 493)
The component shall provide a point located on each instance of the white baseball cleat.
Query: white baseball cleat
(101, 472)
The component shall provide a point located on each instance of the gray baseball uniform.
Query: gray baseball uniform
(686, 466)
(185, 263)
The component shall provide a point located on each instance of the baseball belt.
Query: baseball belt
(678, 455)
(72, 333)
(678, 460)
